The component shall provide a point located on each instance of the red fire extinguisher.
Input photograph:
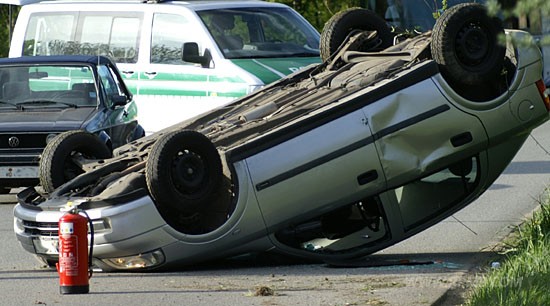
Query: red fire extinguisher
(73, 266)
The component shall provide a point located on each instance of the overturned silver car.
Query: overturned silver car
(385, 138)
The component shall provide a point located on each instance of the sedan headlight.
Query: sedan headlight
(139, 261)
(50, 137)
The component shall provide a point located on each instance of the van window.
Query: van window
(167, 38)
(113, 34)
(46, 32)
(260, 32)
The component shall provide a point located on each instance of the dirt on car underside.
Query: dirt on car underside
(314, 89)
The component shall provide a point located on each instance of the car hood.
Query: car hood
(272, 69)
(44, 120)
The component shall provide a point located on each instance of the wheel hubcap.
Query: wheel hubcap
(188, 172)
(472, 45)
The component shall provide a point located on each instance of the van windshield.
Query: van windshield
(261, 33)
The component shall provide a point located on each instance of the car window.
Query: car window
(167, 39)
(260, 32)
(114, 34)
(427, 197)
(417, 15)
(111, 84)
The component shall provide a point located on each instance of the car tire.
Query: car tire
(465, 45)
(183, 173)
(55, 166)
(343, 23)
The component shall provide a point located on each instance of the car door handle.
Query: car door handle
(150, 73)
(367, 177)
(461, 139)
(130, 72)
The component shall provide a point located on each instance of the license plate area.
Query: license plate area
(46, 245)
(19, 172)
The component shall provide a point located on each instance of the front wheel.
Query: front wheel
(465, 45)
(183, 172)
(57, 162)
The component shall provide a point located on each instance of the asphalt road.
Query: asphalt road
(429, 268)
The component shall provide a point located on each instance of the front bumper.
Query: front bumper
(116, 235)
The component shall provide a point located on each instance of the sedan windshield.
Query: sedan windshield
(48, 86)
(261, 33)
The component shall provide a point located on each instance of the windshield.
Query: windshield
(261, 33)
(47, 86)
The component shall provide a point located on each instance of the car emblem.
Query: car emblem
(13, 142)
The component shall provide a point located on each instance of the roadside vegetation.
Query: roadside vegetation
(524, 275)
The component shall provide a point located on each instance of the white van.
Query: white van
(179, 58)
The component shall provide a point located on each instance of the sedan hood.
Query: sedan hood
(44, 120)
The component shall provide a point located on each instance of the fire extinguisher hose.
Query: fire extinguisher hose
(90, 254)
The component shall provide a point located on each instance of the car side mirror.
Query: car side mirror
(119, 100)
(190, 53)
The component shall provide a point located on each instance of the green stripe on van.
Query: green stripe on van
(272, 69)
(195, 85)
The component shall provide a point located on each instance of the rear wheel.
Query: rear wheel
(344, 23)
(465, 45)
(57, 162)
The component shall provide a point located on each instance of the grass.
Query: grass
(524, 276)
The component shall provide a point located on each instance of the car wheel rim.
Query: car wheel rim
(472, 45)
(188, 172)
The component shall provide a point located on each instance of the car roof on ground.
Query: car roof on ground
(84, 59)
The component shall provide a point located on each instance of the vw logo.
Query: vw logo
(13, 142)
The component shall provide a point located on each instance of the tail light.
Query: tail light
(544, 94)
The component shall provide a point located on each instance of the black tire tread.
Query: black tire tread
(52, 160)
(443, 50)
(158, 172)
(340, 25)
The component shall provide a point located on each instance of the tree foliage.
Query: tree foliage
(7, 13)
(317, 12)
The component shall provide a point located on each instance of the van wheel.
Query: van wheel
(183, 172)
(342, 24)
(465, 45)
(57, 164)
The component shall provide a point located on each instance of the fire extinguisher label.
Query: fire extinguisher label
(68, 259)
(66, 228)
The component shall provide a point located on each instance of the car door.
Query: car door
(430, 150)
(331, 165)
(118, 119)
(173, 89)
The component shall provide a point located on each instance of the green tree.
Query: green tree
(317, 12)
(7, 13)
